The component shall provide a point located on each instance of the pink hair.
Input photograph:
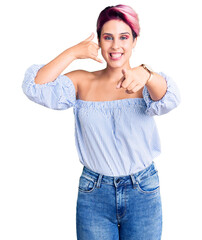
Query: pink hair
(121, 12)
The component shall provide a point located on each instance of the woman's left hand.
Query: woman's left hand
(133, 79)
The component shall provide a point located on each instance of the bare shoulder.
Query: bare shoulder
(81, 78)
(76, 77)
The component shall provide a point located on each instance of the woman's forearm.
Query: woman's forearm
(157, 87)
(54, 68)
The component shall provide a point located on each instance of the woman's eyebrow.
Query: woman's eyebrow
(120, 33)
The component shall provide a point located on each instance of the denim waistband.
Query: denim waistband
(100, 178)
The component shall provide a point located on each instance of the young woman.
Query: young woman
(115, 132)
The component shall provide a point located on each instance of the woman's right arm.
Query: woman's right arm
(45, 85)
(50, 71)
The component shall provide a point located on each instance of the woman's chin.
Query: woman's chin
(116, 64)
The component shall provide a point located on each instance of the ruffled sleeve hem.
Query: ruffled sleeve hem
(59, 94)
(169, 101)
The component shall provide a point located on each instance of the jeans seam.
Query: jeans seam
(89, 178)
(147, 192)
(88, 190)
(119, 217)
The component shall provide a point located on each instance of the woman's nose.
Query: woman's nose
(115, 44)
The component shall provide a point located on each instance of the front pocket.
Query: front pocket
(86, 184)
(149, 184)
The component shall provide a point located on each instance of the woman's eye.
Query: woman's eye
(110, 38)
(107, 38)
(124, 37)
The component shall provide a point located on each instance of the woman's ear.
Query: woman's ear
(134, 42)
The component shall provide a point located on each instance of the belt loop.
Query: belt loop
(99, 180)
(133, 180)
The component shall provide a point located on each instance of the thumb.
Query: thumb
(125, 72)
(120, 82)
(90, 37)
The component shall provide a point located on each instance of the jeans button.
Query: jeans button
(117, 180)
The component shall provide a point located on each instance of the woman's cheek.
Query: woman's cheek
(129, 53)
(104, 54)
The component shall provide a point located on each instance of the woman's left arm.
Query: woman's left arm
(161, 94)
(157, 86)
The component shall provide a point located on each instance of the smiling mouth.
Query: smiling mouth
(115, 56)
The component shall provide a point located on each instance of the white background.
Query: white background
(39, 165)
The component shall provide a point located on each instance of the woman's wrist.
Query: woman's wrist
(151, 75)
(72, 53)
(148, 73)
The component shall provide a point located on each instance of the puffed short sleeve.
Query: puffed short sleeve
(59, 94)
(169, 101)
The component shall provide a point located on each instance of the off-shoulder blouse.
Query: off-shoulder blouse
(114, 138)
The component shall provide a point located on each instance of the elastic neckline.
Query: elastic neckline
(111, 103)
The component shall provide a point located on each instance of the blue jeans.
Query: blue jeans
(124, 208)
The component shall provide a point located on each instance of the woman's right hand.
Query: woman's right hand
(87, 49)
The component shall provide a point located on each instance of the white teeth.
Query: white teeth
(116, 55)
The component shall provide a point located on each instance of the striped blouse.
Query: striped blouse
(114, 138)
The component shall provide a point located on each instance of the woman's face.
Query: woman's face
(116, 42)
